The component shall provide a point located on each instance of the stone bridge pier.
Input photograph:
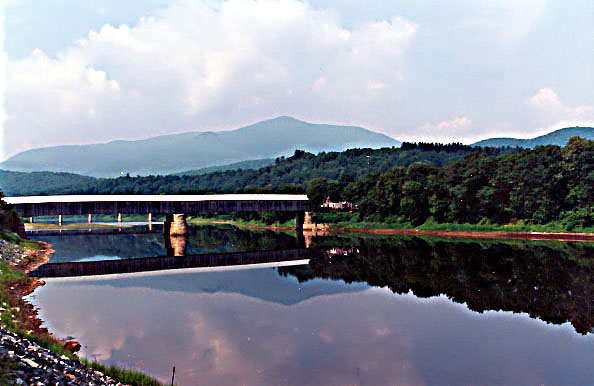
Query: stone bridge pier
(175, 245)
(175, 234)
(175, 225)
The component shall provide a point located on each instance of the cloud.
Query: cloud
(512, 19)
(444, 131)
(549, 110)
(544, 112)
(194, 65)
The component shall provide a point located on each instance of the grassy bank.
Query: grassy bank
(238, 222)
(125, 376)
(453, 227)
(19, 317)
(346, 220)
(13, 238)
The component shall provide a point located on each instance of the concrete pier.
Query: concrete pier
(175, 245)
(175, 225)
(307, 219)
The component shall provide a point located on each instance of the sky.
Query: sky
(75, 72)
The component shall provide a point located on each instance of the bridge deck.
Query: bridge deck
(154, 198)
(157, 204)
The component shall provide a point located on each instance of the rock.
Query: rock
(72, 346)
(30, 362)
(38, 366)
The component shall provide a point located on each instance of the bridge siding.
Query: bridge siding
(143, 207)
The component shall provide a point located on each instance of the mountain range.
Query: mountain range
(181, 152)
(557, 137)
(251, 147)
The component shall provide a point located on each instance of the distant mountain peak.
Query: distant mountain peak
(175, 153)
(285, 118)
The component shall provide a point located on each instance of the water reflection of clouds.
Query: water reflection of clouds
(345, 338)
(228, 339)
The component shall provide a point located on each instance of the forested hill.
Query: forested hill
(297, 170)
(557, 137)
(548, 184)
(180, 152)
(245, 165)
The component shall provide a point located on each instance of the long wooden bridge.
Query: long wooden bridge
(173, 206)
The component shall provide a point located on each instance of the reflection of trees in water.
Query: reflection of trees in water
(230, 239)
(549, 281)
(202, 239)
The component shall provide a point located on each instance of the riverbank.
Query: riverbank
(29, 353)
(45, 226)
(440, 230)
(474, 234)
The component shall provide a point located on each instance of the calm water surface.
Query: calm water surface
(365, 310)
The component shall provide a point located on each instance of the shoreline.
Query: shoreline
(34, 353)
(550, 236)
(29, 318)
(322, 228)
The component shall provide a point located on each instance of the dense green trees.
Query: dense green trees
(287, 174)
(543, 185)
(416, 183)
(9, 219)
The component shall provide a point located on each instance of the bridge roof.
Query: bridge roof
(154, 198)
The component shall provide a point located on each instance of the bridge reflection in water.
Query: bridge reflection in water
(176, 257)
(105, 267)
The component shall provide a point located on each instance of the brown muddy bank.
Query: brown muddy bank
(476, 234)
(25, 314)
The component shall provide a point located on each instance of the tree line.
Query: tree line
(415, 184)
(287, 175)
(539, 186)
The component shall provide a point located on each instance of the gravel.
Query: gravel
(27, 363)
(11, 252)
(35, 365)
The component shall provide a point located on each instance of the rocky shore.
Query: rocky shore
(27, 363)
(22, 361)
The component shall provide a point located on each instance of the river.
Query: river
(348, 309)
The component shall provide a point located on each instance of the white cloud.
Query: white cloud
(549, 110)
(445, 131)
(546, 113)
(196, 65)
(501, 23)
(514, 18)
